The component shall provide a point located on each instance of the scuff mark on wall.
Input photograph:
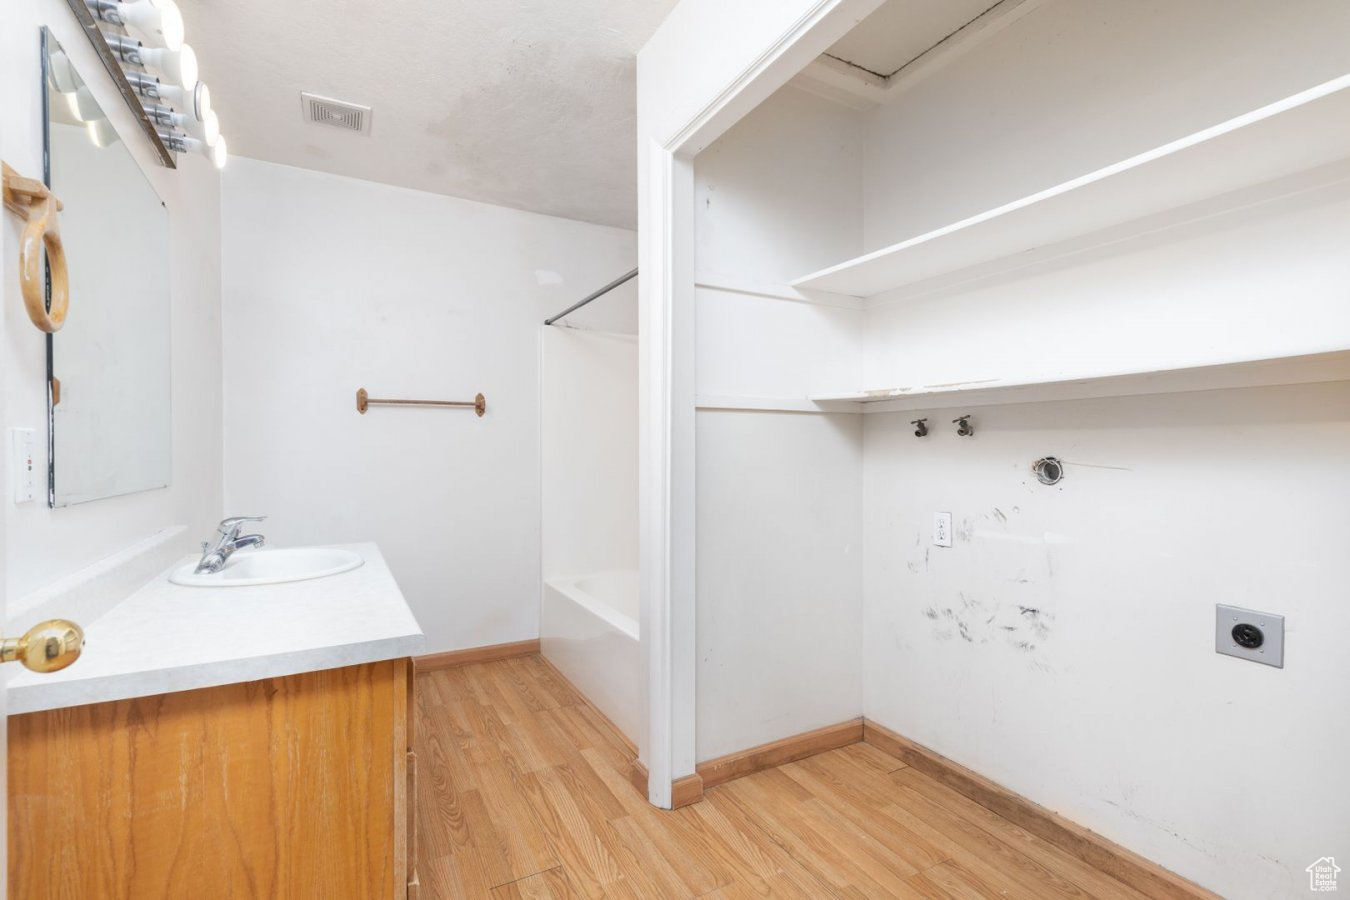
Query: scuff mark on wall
(1037, 620)
(979, 621)
(976, 614)
(1161, 826)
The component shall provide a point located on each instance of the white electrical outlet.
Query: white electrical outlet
(942, 529)
(24, 464)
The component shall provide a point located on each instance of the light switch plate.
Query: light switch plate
(23, 464)
(942, 529)
(1235, 628)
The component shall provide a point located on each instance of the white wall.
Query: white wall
(1080, 84)
(333, 284)
(1064, 646)
(779, 576)
(778, 494)
(588, 386)
(1263, 283)
(1173, 502)
(781, 190)
(45, 545)
(744, 52)
(755, 346)
(1065, 90)
(1048, 98)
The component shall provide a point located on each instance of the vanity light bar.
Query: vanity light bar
(94, 30)
(175, 106)
(159, 21)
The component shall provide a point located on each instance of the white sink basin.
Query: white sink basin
(246, 567)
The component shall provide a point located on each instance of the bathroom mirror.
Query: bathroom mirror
(109, 367)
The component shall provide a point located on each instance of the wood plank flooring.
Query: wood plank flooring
(523, 793)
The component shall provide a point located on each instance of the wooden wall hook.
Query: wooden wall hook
(30, 199)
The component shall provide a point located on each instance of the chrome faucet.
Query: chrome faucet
(227, 541)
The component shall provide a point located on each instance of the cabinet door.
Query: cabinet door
(286, 787)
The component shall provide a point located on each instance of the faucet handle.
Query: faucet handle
(230, 527)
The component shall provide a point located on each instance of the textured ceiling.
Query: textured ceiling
(522, 103)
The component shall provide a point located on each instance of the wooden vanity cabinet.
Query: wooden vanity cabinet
(292, 787)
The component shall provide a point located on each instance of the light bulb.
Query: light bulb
(219, 155)
(179, 66)
(211, 127)
(201, 100)
(207, 131)
(158, 21)
(187, 67)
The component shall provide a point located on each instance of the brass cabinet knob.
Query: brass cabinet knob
(47, 647)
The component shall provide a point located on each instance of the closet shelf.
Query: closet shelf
(1294, 135)
(1302, 369)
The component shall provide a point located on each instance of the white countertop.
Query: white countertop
(166, 637)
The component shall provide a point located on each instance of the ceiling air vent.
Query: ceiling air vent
(327, 111)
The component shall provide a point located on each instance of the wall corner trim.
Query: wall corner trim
(684, 791)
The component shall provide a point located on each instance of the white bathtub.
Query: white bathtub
(588, 628)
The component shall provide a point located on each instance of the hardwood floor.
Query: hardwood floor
(524, 793)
